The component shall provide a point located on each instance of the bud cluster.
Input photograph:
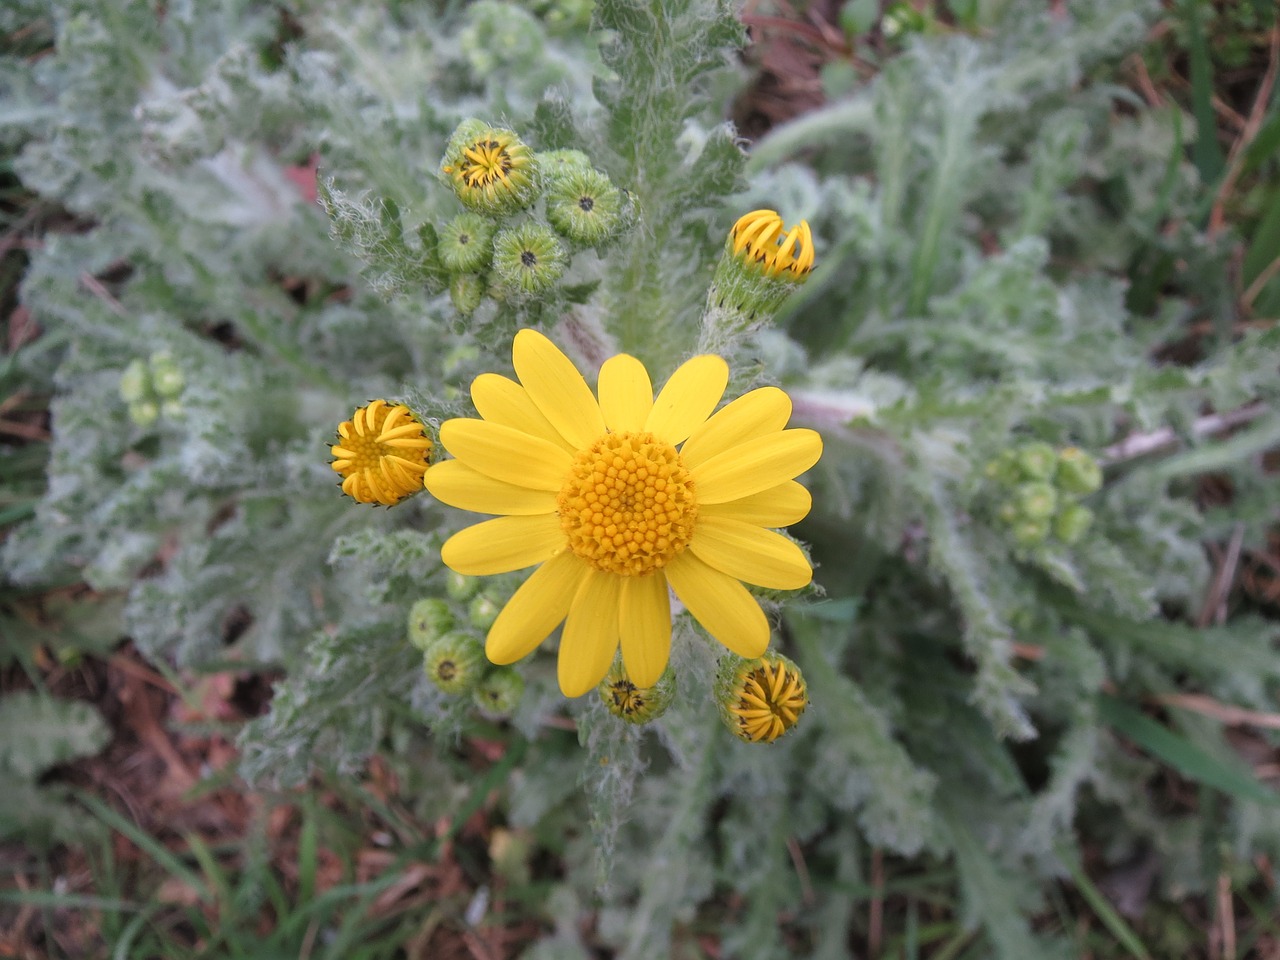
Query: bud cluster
(152, 388)
(527, 214)
(1040, 489)
(452, 654)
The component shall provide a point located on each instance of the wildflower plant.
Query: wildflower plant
(917, 560)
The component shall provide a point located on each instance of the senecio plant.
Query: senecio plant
(591, 366)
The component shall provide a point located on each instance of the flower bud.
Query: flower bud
(429, 620)
(528, 259)
(1078, 473)
(491, 170)
(466, 290)
(499, 693)
(634, 704)
(459, 586)
(761, 699)
(466, 243)
(761, 241)
(760, 267)
(1037, 461)
(144, 413)
(166, 378)
(1072, 523)
(455, 663)
(381, 454)
(1036, 501)
(586, 207)
(1029, 532)
(135, 382)
(1004, 469)
(556, 164)
(483, 611)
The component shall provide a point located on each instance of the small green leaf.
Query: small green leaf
(1183, 755)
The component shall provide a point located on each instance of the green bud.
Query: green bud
(556, 164)
(461, 587)
(455, 663)
(586, 207)
(466, 290)
(1004, 469)
(1008, 512)
(490, 169)
(1078, 472)
(1038, 461)
(499, 693)
(135, 382)
(172, 410)
(166, 378)
(466, 243)
(528, 259)
(429, 620)
(760, 700)
(1072, 523)
(1036, 500)
(144, 413)
(634, 704)
(483, 611)
(1030, 533)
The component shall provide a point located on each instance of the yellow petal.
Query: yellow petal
(507, 454)
(626, 393)
(688, 398)
(590, 637)
(645, 611)
(779, 506)
(535, 609)
(721, 604)
(557, 388)
(502, 545)
(752, 415)
(757, 465)
(454, 483)
(501, 400)
(750, 553)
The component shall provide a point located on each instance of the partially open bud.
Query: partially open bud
(455, 663)
(528, 259)
(166, 378)
(761, 699)
(634, 704)
(429, 620)
(1072, 523)
(1038, 461)
(491, 170)
(1036, 500)
(585, 206)
(135, 382)
(499, 692)
(466, 243)
(381, 454)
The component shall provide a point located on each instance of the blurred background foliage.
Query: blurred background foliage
(1043, 718)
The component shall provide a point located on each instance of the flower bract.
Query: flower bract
(382, 453)
(616, 499)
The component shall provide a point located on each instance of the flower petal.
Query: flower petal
(751, 553)
(501, 400)
(645, 624)
(626, 393)
(557, 388)
(779, 506)
(757, 465)
(590, 637)
(721, 604)
(535, 609)
(752, 415)
(688, 398)
(502, 545)
(454, 483)
(507, 454)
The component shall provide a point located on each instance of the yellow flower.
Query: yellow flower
(765, 240)
(381, 453)
(761, 699)
(613, 500)
(491, 170)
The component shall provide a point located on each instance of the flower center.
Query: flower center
(628, 504)
(485, 162)
(626, 697)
